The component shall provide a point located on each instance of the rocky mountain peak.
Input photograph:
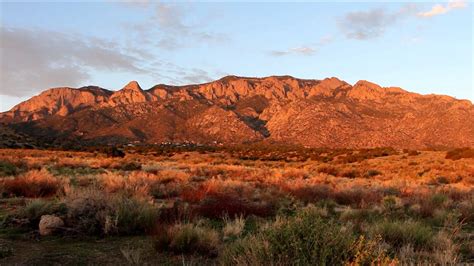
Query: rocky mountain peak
(133, 86)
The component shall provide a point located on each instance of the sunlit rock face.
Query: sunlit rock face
(316, 113)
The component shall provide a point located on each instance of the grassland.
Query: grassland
(240, 206)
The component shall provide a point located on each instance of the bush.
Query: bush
(32, 184)
(326, 169)
(403, 233)
(305, 239)
(37, 208)
(7, 169)
(372, 173)
(188, 238)
(218, 205)
(95, 213)
(461, 153)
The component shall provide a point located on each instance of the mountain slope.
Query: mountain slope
(317, 113)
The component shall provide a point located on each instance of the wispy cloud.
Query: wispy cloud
(173, 26)
(439, 9)
(304, 50)
(364, 25)
(373, 23)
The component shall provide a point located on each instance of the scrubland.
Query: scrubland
(246, 206)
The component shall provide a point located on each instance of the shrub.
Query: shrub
(129, 166)
(330, 170)
(92, 212)
(350, 174)
(310, 193)
(372, 173)
(305, 239)
(7, 169)
(34, 209)
(32, 184)
(460, 153)
(357, 196)
(233, 228)
(188, 238)
(403, 233)
(442, 180)
(217, 205)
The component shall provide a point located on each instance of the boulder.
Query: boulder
(49, 224)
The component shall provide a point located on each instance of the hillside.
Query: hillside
(316, 113)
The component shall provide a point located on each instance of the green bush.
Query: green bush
(305, 239)
(34, 209)
(188, 238)
(403, 233)
(7, 169)
(94, 213)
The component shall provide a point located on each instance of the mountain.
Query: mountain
(316, 113)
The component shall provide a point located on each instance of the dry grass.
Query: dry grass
(33, 184)
(413, 200)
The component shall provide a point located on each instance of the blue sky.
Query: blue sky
(424, 47)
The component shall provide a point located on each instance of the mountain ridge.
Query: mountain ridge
(328, 112)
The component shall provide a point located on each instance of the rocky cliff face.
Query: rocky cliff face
(318, 113)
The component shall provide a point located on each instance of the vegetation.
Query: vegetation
(238, 205)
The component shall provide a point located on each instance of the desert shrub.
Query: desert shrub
(350, 174)
(466, 208)
(357, 196)
(34, 209)
(305, 239)
(7, 169)
(32, 184)
(188, 238)
(442, 180)
(112, 152)
(129, 166)
(131, 216)
(74, 171)
(411, 152)
(460, 153)
(372, 173)
(233, 228)
(310, 193)
(218, 204)
(427, 207)
(327, 169)
(403, 233)
(92, 212)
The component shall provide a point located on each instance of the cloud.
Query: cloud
(36, 59)
(443, 9)
(197, 76)
(370, 24)
(174, 26)
(302, 50)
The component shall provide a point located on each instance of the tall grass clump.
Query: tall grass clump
(188, 238)
(306, 239)
(33, 184)
(404, 233)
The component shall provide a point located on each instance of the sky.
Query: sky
(424, 47)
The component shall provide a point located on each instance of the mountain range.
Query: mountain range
(278, 109)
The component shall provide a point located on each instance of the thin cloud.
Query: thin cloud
(439, 9)
(370, 24)
(303, 50)
(173, 26)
